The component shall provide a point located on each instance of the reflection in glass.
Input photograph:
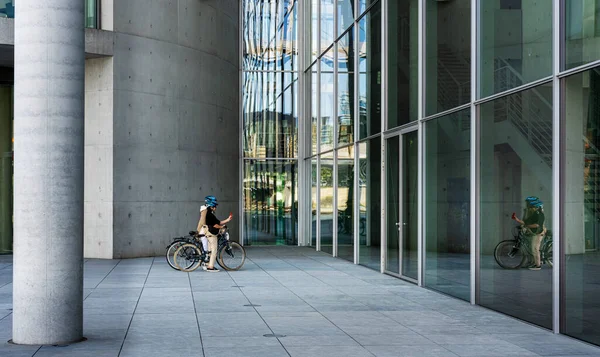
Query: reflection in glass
(369, 201)
(314, 194)
(327, 24)
(403, 62)
(270, 202)
(369, 78)
(314, 33)
(345, 203)
(582, 206)
(448, 61)
(270, 115)
(516, 162)
(516, 43)
(392, 168)
(345, 10)
(314, 110)
(447, 204)
(582, 32)
(326, 87)
(363, 5)
(6, 169)
(345, 89)
(410, 238)
(91, 12)
(270, 35)
(326, 201)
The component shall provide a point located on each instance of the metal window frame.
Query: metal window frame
(474, 157)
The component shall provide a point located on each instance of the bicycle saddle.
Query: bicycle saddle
(193, 233)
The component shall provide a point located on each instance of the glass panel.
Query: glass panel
(6, 169)
(326, 201)
(270, 35)
(270, 115)
(410, 237)
(327, 101)
(582, 32)
(314, 194)
(369, 196)
(7, 9)
(448, 62)
(447, 204)
(314, 109)
(582, 205)
(364, 4)
(345, 9)
(369, 78)
(516, 43)
(345, 203)
(345, 89)
(91, 16)
(270, 202)
(327, 24)
(403, 62)
(516, 163)
(392, 262)
(314, 30)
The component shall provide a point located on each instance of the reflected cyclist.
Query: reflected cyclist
(533, 227)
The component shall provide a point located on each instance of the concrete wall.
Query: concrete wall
(175, 118)
(98, 197)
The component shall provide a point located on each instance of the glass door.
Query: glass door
(402, 256)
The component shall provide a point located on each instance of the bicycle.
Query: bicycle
(230, 255)
(513, 253)
(175, 244)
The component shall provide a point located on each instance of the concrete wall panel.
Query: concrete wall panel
(176, 126)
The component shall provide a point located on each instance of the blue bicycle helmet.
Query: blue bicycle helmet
(538, 204)
(211, 201)
(531, 199)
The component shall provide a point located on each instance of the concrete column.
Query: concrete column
(48, 193)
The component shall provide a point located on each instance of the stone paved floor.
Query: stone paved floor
(323, 306)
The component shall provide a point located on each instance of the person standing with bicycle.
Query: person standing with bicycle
(533, 227)
(214, 225)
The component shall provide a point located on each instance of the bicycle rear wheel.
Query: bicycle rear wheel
(232, 257)
(507, 256)
(187, 257)
(170, 254)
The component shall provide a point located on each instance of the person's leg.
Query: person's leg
(213, 243)
(536, 241)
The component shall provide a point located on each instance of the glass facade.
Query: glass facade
(447, 204)
(91, 14)
(270, 122)
(450, 145)
(6, 168)
(7, 9)
(581, 241)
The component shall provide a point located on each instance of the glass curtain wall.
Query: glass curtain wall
(6, 169)
(270, 122)
(582, 32)
(516, 163)
(369, 201)
(326, 196)
(345, 202)
(403, 62)
(516, 43)
(369, 73)
(581, 241)
(447, 204)
(345, 89)
(448, 61)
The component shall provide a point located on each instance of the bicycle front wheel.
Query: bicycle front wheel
(187, 257)
(170, 254)
(507, 256)
(232, 256)
(547, 254)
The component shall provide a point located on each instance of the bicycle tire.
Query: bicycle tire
(233, 258)
(170, 253)
(502, 257)
(548, 254)
(187, 257)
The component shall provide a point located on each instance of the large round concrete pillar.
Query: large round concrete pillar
(48, 181)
